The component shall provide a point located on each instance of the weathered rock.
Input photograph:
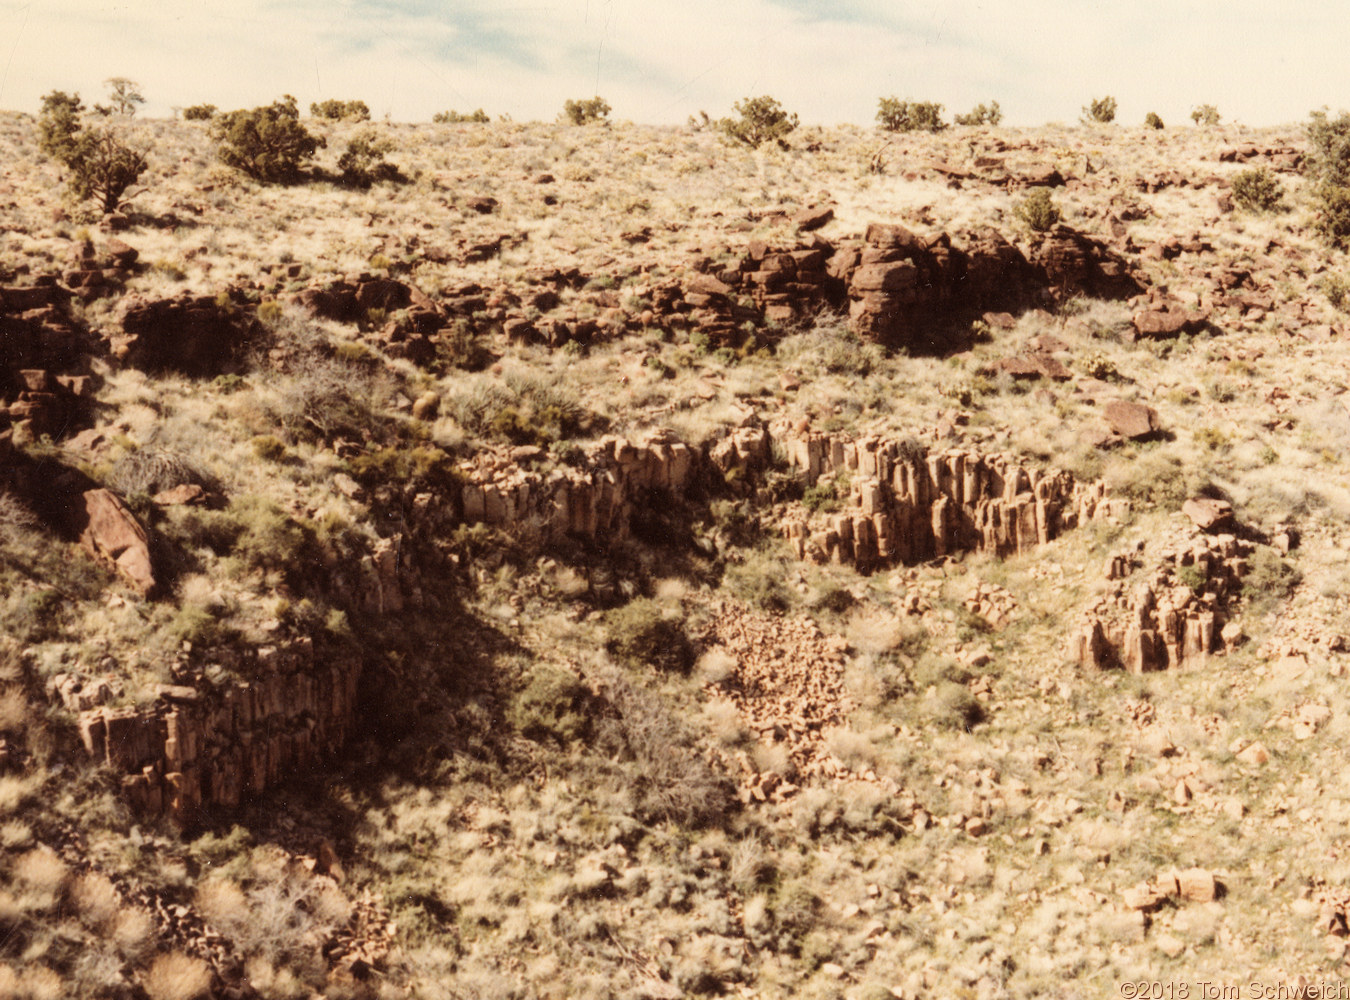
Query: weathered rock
(1209, 514)
(1131, 420)
(193, 335)
(809, 219)
(109, 531)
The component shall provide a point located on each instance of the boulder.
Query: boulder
(1131, 420)
(110, 532)
(809, 219)
(1209, 514)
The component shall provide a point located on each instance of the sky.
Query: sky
(659, 62)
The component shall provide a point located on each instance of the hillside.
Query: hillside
(600, 561)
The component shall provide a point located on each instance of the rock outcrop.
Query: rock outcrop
(196, 747)
(1172, 617)
(195, 335)
(908, 504)
(111, 533)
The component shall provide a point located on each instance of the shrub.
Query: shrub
(1329, 170)
(200, 112)
(762, 119)
(478, 117)
(910, 116)
(980, 115)
(124, 95)
(339, 110)
(1337, 290)
(267, 143)
(1329, 148)
(1151, 120)
(587, 112)
(101, 166)
(363, 163)
(1038, 210)
(640, 635)
(1258, 190)
(1206, 114)
(59, 123)
(553, 705)
(1101, 110)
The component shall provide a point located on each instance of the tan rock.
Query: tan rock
(1255, 754)
(1196, 885)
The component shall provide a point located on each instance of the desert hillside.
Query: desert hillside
(610, 561)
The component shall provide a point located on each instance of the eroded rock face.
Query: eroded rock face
(194, 748)
(908, 503)
(194, 335)
(1171, 617)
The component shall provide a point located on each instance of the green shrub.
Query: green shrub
(590, 111)
(363, 163)
(200, 112)
(59, 124)
(553, 705)
(640, 635)
(762, 119)
(340, 110)
(1151, 120)
(1258, 190)
(1206, 114)
(952, 705)
(1329, 171)
(821, 498)
(980, 115)
(1268, 580)
(478, 117)
(1038, 210)
(267, 143)
(1100, 110)
(1337, 290)
(911, 116)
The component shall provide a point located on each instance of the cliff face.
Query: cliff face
(195, 747)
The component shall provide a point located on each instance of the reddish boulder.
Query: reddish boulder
(1131, 420)
(1209, 514)
(110, 532)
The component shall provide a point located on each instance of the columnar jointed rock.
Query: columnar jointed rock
(909, 504)
(595, 501)
(1162, 621)
(194, 747)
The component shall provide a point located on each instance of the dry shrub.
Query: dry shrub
(36, 982)
(176, 976)
(43, 874)
(132, 932)
(224, 904)
(96, 898)
(15, 792)
(672, 780)
(13, 709)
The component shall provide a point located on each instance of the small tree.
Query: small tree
(200, 113)
(587, 112)
(909, 116)
(363, 163)
(1206, 114)
(1100, 110)
(267, 143)
(1151, 120)
(1038, 210)
(124, 95)
(981, 115)
(104, 168)
(762, 119)
(356, 111)
(59, 123)
(1329, 171)
(101, 166)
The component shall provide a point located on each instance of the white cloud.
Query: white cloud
(1042, 59)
